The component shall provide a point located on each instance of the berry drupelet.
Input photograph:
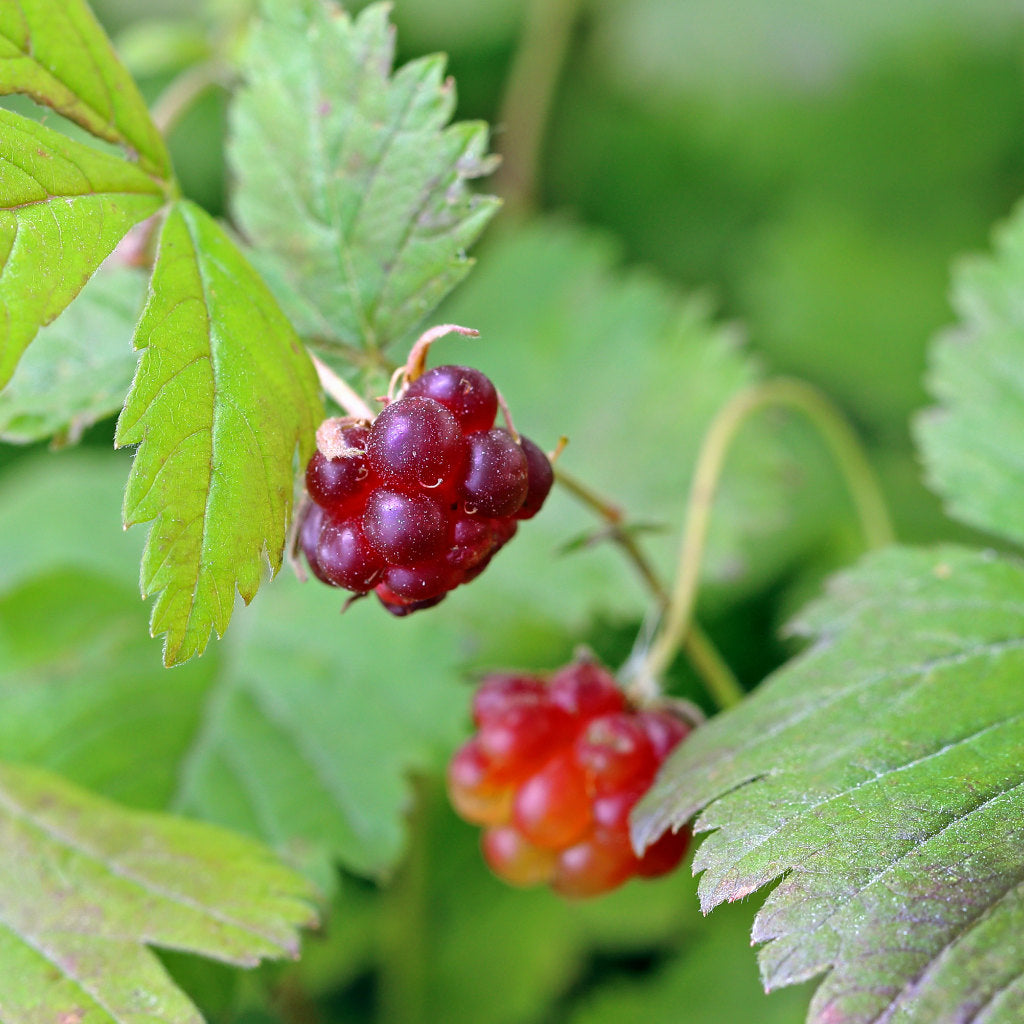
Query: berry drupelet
(552, 773)
(420, 500)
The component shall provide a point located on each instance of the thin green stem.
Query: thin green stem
(850, 460)
(532, 80)
(697, 645)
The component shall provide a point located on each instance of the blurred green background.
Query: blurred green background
(810, 170)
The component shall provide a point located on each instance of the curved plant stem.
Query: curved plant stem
(702, 653)
(341, 392)
(532, 80)
(850, 459)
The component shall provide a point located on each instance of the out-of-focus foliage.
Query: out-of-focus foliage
(809, 170)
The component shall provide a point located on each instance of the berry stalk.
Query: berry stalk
(705, 658)
(785, 393)
(339, 390)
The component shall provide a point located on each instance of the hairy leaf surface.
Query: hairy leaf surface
(86, 886)
(57, 53)
(223, 396)
(971, 441)
(79, 368)
(348, 184)
(880, 775)
(63, 208)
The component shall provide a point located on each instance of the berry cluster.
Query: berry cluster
(553, 772)
(418, 501)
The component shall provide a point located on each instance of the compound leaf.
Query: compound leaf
(86, 886)
(63, 208)
(79, 368)
(879, 774)
(971, 440)
(58, 54)
(223, 396)
(348, 184)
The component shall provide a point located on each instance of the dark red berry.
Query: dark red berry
(477, 792)
(552, 807)
(309, 539)
(515, 859)
(346, 558)
(422, 498)
(496, 477)
(595, 865)
(417, 441)
(587, 690)
(614, 753)
(418, 582)
(501, 691)
(540, 477)
(405, 528)
(664, 854)
(466, 393)
(473, 539)
(399, 606)
(338, 484)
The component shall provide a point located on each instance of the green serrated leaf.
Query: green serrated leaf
(58, 54)
(63, 208)
(348, 184)
(85, 886)
(880, 774)
(971, 441)
(223, 397)
(79, 368)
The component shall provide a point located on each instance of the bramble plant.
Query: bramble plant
(287, 371)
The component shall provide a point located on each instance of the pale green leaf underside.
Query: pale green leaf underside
(223, 396)
(85, 886)
(881, 774)
(63, 208)
(347, 182)
(79, 368)
(57, 53)
(971, 442)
